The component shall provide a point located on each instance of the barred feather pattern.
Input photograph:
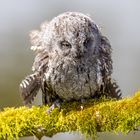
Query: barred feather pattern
(29, 87)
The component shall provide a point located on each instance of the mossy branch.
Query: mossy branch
(94, 116)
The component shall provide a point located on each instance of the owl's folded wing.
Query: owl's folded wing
(109, 87)
(29, 88)
(105, 59)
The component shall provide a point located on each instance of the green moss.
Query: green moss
(96, 116)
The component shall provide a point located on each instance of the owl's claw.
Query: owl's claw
(55, 104)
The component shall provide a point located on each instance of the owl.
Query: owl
(72, 63)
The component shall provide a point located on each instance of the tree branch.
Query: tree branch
(94, 116)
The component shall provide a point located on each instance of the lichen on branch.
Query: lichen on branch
(103, 115)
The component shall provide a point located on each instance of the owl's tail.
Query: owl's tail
(29, 87)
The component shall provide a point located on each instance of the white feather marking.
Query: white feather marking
(34, 48)
(27, 83)
(24, 85)
(21, 85)
(33, 68)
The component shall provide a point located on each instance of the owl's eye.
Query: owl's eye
(65, 45)
(88, 42)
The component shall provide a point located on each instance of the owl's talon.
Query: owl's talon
(52, 107)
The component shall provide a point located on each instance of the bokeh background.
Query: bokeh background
(119, 20)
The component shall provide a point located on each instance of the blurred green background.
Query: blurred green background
(119, 21)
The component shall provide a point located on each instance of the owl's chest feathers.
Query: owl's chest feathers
(73, 80)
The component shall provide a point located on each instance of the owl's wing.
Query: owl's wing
(105, 59)
(109, 87)
(29, 87)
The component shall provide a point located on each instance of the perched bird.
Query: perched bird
(72, 62)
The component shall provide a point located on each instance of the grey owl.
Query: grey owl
(72, 62)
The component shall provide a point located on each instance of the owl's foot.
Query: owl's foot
(55, 104)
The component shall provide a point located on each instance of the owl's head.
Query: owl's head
(74, 36)
(70, 34)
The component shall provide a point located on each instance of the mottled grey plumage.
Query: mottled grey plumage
(73, 61)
